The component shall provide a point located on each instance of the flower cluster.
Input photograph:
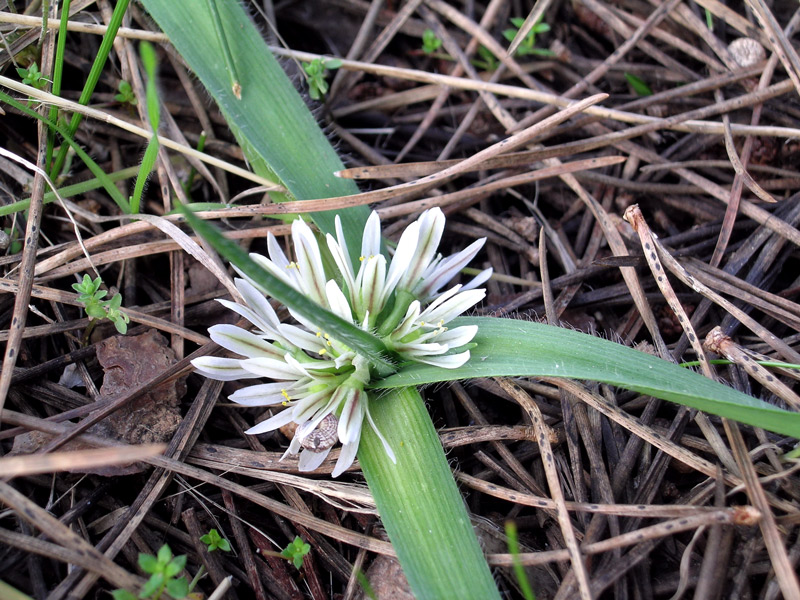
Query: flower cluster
(318, 379)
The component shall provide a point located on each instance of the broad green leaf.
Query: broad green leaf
(511, 348)
(271, 121)
(418, 501)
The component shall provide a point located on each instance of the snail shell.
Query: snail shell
(324, 436)
(747, 52)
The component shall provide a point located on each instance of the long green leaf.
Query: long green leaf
(356, 338)
(506, 347)
(271, 121)
(91, 81)
(431, 509)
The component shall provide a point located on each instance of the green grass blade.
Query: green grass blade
(58, 73)
(419, 503)
(101, 176)
(507, 347)
(92, 79)
(356, 338)
(271, 122)
(150, 63)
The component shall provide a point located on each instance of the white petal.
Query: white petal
(449, 310)
(272, 368)
(309, 261)
(435, 278)
(338, 302)
(430, 234)
(403, 255)
(455, 338)
(274, 422)
(413, 350)
(243, 342)
(285, 274)
(371, 240)
(346, 457)
(301, 338)
(342, 260)
(314, 407)
(409, 322)
(372, 294)
(266, 394)
(352, 416)
(221, 369)
(446, 361)
(377, 431)
(479, 279)
(276, 252)
(310, 461)
(257, 301)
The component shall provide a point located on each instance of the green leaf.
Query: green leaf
(152, 585)
(95, 311)
(224, 545)
(511, 348)
(640, 88)
(123, 595)
(175, 566)
(148, 563)
(178, 588)
(418, 500)
(276, 130)
(164, 554)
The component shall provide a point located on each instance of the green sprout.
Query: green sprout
(528, 45)
(295, 551)
(316, 71)
(519, 570)
(489, 62)
(163, 570)
(91, 296)
(32, 76)
(430, 43)
(639, 86)
(125, 95)
(215, 541)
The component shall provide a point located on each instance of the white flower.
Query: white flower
(318, 379)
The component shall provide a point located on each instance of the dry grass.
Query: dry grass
(637, 498)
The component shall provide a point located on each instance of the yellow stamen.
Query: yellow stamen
(322, 351)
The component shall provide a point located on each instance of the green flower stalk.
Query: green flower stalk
(320, 380)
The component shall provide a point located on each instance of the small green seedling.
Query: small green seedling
(528, 45)
(215, 541)
(32, 76)
(163, 570)
(640, 88)
(430, 43)
(489, 63)
(125, 95)
(295, 551)
(519, 570)
(91, 296)
(316, 72)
